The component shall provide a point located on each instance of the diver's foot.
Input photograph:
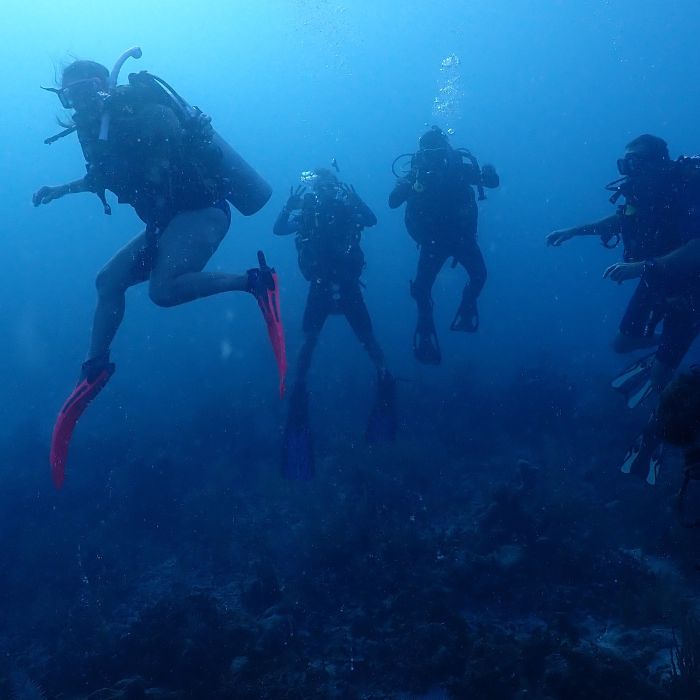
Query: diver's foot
(91, 369)
(260, 281)
(426, 348)
(467, 318)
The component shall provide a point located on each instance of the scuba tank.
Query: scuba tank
(242, 185)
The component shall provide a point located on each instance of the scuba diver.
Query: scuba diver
(145, 144)
(328, 221)
(659, 225)
(441, 216)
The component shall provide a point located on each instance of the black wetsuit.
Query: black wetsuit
(328, 244)
(659, 216)
(441, 216)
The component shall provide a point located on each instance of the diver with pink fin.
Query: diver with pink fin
(143, 142)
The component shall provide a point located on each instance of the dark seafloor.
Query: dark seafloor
(186, 572)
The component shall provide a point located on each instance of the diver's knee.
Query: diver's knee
(161, 295)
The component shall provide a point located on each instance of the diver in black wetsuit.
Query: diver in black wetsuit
(441, 216)
(659, 216)
(328, 222)
(659, 224)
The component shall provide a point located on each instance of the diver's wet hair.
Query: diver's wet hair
(655, 146)
(679, 410)
(82, 70)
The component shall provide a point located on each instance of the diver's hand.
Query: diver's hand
(621, 272)
(556, 238)
(203, 125)
(350, 192)
(46, 194)
(294, 201)
(489, 176)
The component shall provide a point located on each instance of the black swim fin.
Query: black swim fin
(426, 347)
(644, 458)
(298, 451)
(383, 421)
(634, 382)
(466, 319)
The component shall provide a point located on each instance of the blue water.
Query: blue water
(173, 502)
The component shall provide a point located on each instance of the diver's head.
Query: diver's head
(433, 150)
(679, 410)
(324, 183)
(644, 155)
(82, 84)
(434, 139)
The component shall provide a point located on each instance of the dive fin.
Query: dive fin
(644, 458)
(642, 393)
(298, 453)
(264, 285)
(426, 348)
(466, 319)
(655, 464)
(634, 374)
(74, 407)
(383, 422)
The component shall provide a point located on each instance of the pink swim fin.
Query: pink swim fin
(68, 416)
(268, 297)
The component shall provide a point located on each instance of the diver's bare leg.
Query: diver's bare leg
(130, 266)
(184, 248)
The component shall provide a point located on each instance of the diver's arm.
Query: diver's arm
(605, 229)
(400, 193)
(284, 225)
(366, 217)
(48, 194)
(680, 263)
(489, 177)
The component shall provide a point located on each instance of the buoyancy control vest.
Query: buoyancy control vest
(658, 210)
(205, 170)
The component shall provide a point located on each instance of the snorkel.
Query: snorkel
(134, 52)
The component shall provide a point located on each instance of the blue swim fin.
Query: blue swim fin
(298, 451)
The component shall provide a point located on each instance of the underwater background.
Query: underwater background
(494, 551)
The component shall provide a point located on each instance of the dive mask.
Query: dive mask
(632, 164)
(79, 92)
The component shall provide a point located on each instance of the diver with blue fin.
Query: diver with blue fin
(144, 143)
(327, 218)
(441, 216)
